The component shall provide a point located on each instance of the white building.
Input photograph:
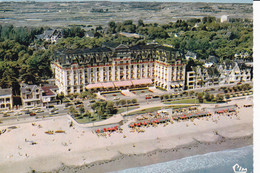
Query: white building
(118, 67)
(224, 18)
(6, 99)
(31, 95)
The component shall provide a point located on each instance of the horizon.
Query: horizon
(203, 1)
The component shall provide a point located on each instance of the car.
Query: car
(68, 104)
(27, 112)
(116, 98)
(53, 110)
(50, 106)
(18, 113)
(147, 97)
(92, 101)
(52, 113)
(32, 114)
(78, 103)
(6, 115)
(39, 111)
(155, 96)
(79, 106)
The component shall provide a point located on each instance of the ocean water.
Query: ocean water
(210, 1)
(215, 162)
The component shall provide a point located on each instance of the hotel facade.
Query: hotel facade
(121, 67)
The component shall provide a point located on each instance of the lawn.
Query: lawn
(189, 101)
(84, 120)
(156, 109)
(124, 109)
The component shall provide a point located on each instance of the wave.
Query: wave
(215, 162)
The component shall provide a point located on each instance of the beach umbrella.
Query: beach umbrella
(116, 127)
(108, 129)
(131, 125)
(98, 131)
(157, 121)
(144, 123)
(105, 130)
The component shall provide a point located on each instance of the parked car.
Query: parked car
(32, 114)
(6, 115)
(79, 106)
(39, 111)
(68, 104)
(116, 98)
(27, 112)
(50, 106)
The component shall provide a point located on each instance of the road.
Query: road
(144, 103)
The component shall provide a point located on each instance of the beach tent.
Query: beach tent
(98, 131)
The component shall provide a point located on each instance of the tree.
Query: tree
(81, 110)
(200, 97)
(208, 96)
(161, 97)
(227, 96)
(129, 102)
(87, 114)
(60, 97)
(220, 98)
(134, 101)
(166, 96)
(140, 23)
(123, 102)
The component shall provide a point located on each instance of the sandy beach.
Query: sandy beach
(27, 147)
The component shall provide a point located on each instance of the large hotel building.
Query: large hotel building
(121, 67)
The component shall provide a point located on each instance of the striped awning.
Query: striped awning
(142, 81)
(108, 85)
(91, 86)
(122, 83)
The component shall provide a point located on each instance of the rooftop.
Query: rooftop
(6, 91)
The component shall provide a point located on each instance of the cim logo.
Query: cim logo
(239, 169)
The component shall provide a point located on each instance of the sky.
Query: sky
(215, 1)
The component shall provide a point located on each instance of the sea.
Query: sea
(215, 162)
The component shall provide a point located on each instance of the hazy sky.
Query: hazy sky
(216, 1)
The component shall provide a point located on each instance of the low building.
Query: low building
(6, 99)
(51, 35)
(31, 95)
(221, 74)
(49, 94)
(224, 18)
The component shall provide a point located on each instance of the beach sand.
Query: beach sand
(81, 150)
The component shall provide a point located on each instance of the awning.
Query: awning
(122, 83)
(108, 85)
(97, 85)
(142, 81)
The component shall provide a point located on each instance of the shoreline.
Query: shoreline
(124, 161)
